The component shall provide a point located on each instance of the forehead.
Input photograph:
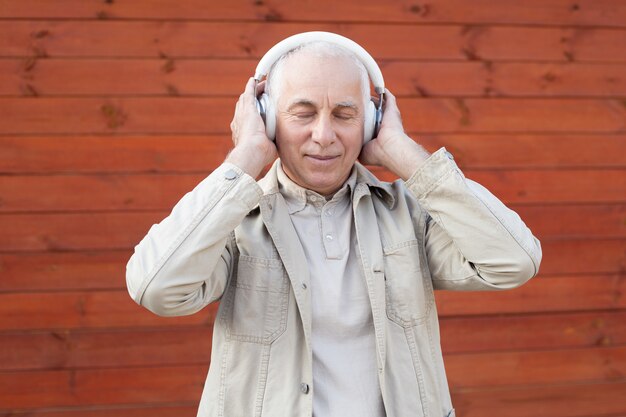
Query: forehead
(311, 73)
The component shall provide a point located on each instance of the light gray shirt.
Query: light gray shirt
(345, 375)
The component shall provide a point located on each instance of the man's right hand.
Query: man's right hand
(253, 150)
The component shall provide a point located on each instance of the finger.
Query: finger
(390, 104)
(249, 87)
(260, 87)
(390, 99)
(238, 107)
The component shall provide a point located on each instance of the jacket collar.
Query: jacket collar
(383, 190)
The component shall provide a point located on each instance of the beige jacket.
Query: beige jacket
(231, 238)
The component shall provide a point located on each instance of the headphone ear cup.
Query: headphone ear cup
(266, 109)
(369, 127)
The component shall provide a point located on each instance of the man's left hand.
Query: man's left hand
(392, 148)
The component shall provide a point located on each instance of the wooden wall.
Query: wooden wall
(111, 110)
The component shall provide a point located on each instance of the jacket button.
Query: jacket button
(304, 387)
(231, 174)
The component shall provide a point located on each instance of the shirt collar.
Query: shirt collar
(298, 197)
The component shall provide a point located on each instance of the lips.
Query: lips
(322, 157)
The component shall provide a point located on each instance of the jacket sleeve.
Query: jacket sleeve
(473, 241)
(184, 262)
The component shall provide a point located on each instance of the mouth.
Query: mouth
(322, 157)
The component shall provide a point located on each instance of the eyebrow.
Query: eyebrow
(300, 102)
(347, 104)
(307, 102)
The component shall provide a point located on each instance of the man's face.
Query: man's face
(319, 130)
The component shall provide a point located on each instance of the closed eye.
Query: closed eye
(344, 116)
(345, 111)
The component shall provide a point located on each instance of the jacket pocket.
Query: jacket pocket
(257, 298)
(408, 289)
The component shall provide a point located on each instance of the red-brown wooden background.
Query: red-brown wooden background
(111, 110)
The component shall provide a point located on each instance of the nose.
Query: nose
(323, 132)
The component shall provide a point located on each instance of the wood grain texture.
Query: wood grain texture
(105, 269)
(114, 308)
(36, 271)
(193, 39)
(184, 383)
(217, 77)
(187, 115)
(577, 293)
(102, 386)
(98, 231)
(177, 409)
(200, 153)
(62, 193)
(185, 345)
(536, 368)
(77, 349)
(567, 400)
(88, 309)
(111, 110)
(552, 12)
(549, 331)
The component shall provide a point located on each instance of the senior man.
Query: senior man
(325, 275)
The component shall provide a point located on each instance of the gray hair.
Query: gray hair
(319, 49)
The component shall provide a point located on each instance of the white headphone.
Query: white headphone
(373, 114)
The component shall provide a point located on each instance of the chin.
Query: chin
(324, 188)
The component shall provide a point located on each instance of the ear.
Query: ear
(266, 109)
(369, 127)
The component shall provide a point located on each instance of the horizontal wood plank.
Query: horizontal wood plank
(114, 308)
(190, 115)
(102, 386)
(511, 151)
(91, 231)
(185, 345)
(193, 39)
(110, 154)
(63, 193)
(185, 154)
(116, 231)
(47, 77)
(95, 309)
(579, 400)
(178, 409)
(578, 293)
(574, 221)
(532, 331)
(552, 12)
(184, 383)
(558, 186)
(535, 368)
(74, 349)
(88, 270)
(583, 256)
(99, 192)
(58, 271)
(200, 115)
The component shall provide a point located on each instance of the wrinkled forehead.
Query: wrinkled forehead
(318, 66)
(308, 61)
(308, 72)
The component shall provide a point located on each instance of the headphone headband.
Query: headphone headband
(292, 42)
